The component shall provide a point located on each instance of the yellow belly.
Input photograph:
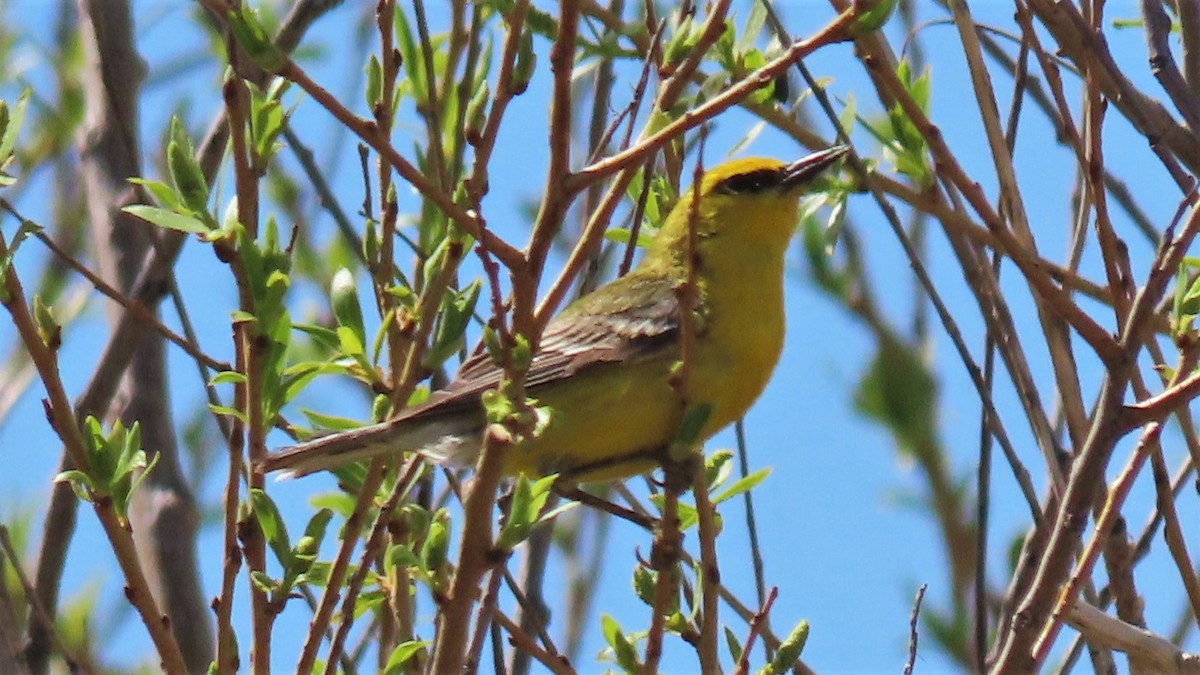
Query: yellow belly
(621, 422)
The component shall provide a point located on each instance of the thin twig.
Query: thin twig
(756, 624)
(373, 549)
(341, 563)
(38, 611)
(708, 574)
(912, 630)
(475, 556)
(62, 419)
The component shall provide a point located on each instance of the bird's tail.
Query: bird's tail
(441, 440)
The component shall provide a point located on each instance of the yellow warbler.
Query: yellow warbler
(604, 366)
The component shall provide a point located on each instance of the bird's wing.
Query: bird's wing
(629, 318)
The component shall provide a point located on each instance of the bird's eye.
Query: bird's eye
(750, 183)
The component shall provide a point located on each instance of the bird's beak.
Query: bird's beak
(803, 170)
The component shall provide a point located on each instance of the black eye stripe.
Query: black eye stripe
(752, 182)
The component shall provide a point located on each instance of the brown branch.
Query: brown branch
(1092, 459)
(1008, 242)
(372, 550)
(143, 313)
(341, 564)
(62, 419)
(228, 660)
(1156, 408)
(249, 344)
(912, 630)
(664, 560)
(37, 613)
(556, 663)
(370, 134)
(1079, 42)
(147, 288)
(1140, 644)
(756, 624)
(709, 572)
(476, 554)
(1012, 208)
(1162, 62)
(1173, 532)
(831, 33)
(477, 183)
(556, 197)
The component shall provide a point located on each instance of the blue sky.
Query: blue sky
(840, 538)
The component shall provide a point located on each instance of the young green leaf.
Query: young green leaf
(343, 296)
(13, 120)
(403, 653)
(253, 38)
(789, 651)
(743, 484)
(623, 650)
(272, 525)
(527, 502)
(170, 220)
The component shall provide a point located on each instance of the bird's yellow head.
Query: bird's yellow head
(753, 199)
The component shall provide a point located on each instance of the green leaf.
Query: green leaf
(400, 555)
(527, 502)
(899, 392)
(102, 457)
(374, 73)
(325, 336)
(526, 64)
(168, 219)
(228, 377)
(437, 544)
(718, 467)
(185, 171)
(267, 118)
(317, 574)
(253, 38)
(743, 484)
(789, 651)
(263, 582)
(643, 584)
(681, 42)
(163, 194)
(457, 310)
(343, 296)
(12, 125)
(623, 650)
(367, 601)
(318, 524)
(138, 478)
(81, 483)
(410, 58)
(694, 419)
(350, 343)
(331, 421)
(688, 515)
(872, 15)
(731, 640)
(271, 523)
(402, 654)
(477, 109)
(621, 235)
(27, 228)
(47, 326)
(228, 411)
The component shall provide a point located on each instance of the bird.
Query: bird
(605, 372)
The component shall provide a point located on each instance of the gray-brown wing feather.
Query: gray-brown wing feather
(588, 333)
